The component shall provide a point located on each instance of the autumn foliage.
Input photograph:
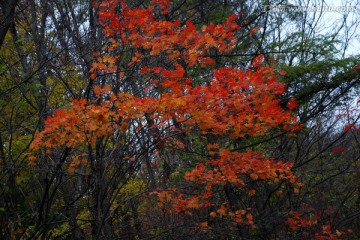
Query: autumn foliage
(227, 102)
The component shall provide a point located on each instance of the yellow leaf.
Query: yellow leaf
(222, 211)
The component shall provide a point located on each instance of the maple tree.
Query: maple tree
(226, 103)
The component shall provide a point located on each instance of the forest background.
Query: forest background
(190, 119)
